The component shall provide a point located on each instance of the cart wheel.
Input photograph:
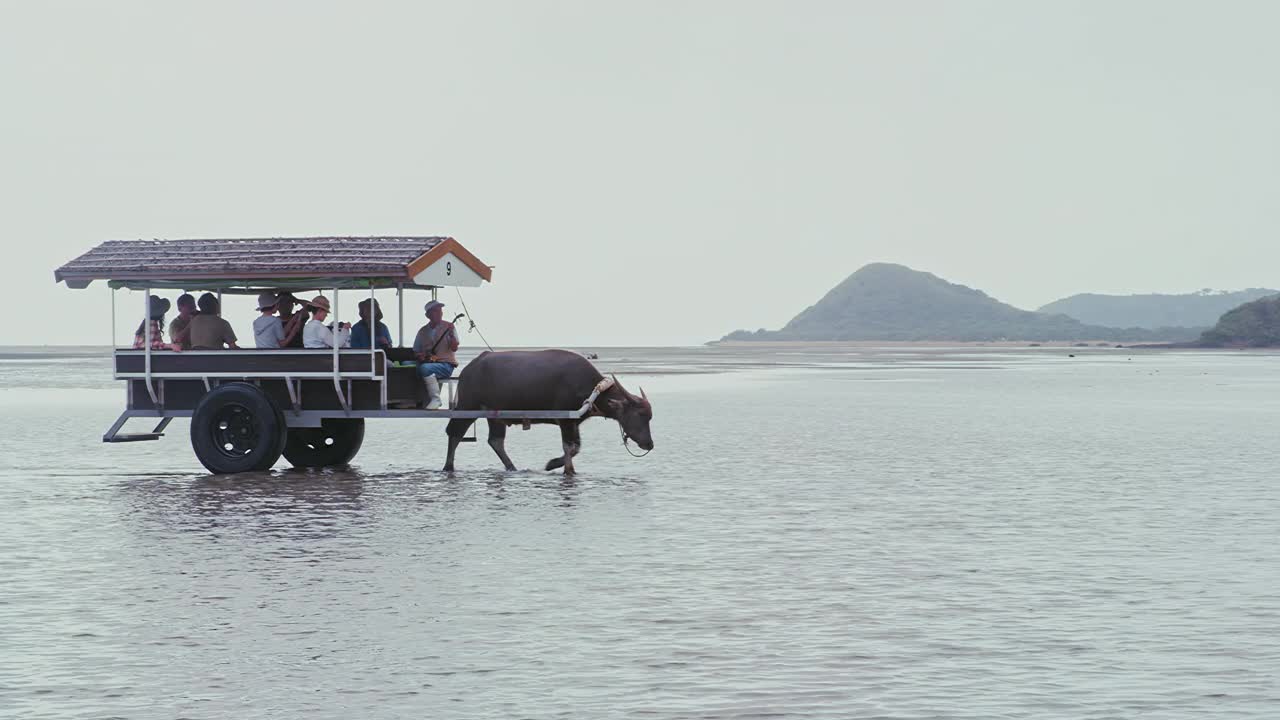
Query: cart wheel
(236, 428)
(335, 442)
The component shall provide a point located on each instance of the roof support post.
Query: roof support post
(146, 347)
(373, 329)
(113, 319)
(337, 379)
(400, 312)
(146, 329)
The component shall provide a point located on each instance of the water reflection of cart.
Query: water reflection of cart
(249, 407)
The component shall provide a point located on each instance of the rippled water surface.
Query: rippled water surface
(829, 532)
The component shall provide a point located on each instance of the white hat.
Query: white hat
(433, 304)
(267, 300)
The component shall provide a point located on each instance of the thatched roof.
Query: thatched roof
(273, 262)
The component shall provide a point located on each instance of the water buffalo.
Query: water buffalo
(543, 380)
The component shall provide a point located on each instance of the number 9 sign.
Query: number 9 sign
(449, 270)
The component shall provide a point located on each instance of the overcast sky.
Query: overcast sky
(651, 173)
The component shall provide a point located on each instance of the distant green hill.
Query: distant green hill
(1255, 324)
(1152, 311)
(895, 303)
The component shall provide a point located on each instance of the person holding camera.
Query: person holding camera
(315, 334)
(292, 322)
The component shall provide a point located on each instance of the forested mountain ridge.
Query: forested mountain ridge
(883, 301)
(1201, 309)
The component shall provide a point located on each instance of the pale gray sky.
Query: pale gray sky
(651, 173)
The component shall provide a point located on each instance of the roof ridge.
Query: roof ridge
(398, 239)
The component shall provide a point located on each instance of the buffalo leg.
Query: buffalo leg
(572, 443)
(456, 430)
(498, 441)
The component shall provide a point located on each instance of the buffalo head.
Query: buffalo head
(633, 414)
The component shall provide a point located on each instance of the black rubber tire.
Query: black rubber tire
(237, 428)
(335, 442)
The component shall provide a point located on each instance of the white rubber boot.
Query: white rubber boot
(433, 392)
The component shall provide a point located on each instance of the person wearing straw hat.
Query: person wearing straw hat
(267, 330)
(318, 335)
(434, 346)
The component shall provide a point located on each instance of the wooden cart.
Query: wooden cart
(248, 407)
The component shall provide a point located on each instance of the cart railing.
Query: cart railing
(350, 364)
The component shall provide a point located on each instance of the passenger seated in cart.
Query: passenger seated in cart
(291, 321)
(208, 331)
(318, 335)
(435, 345)
(158, 307)
(360, 331)
(178, 329)
(267, 330)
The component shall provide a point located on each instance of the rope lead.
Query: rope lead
(470, 320)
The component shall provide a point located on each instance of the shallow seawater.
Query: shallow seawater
(824, 532)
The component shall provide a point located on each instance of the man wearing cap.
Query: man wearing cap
(318, 335)
(435, 345)
(267, 330)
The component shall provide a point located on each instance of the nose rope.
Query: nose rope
(628, 447)
(601, 387)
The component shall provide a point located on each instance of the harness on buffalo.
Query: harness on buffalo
(590, 408)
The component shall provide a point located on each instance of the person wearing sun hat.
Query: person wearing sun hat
(370, 331)
(267, 330)
(318, 335)
(156, 308)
